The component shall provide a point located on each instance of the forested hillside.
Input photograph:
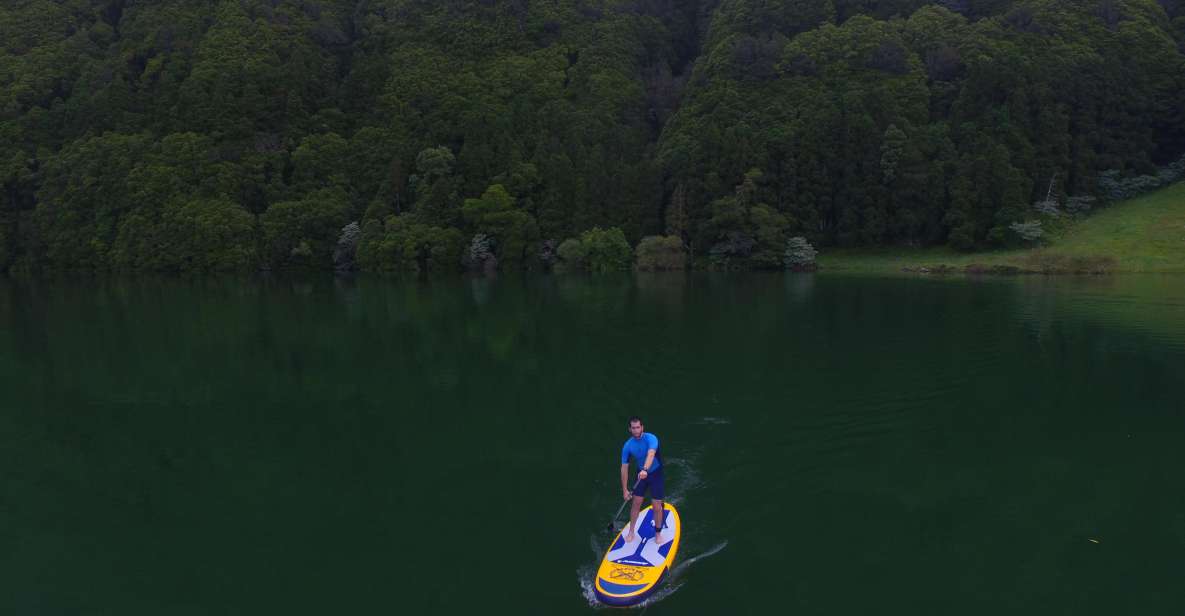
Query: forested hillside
(239, 134)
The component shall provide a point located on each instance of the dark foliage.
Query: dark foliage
(236, 134)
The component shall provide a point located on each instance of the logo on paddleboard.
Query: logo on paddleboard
(627, 573)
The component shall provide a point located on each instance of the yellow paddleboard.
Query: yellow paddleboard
(631, 571)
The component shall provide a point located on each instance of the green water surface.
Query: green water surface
(835, 444)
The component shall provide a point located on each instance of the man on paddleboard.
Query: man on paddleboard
(642, 446)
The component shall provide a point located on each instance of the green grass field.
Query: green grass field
(1146, 234)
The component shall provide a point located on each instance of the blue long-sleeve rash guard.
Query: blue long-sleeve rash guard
(637, 448)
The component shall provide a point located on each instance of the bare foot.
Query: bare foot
(629, 537)
(658, 537)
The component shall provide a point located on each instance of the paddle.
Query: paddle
(613, 523)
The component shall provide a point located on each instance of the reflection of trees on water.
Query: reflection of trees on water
(481, 287)
(594, 294)
(666, 291)
(799, 286)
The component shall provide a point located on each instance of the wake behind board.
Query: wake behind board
(631, 571)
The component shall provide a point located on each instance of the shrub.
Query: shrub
(732, 251)
(404, 245)
(548, 252)
(1115, 188)
(1048, 207)
(608, 250)
(597, 250)
(573, 255)
(661, 253)
(347, 247)
(1080, 205)
(480, 255)
(799, 255)
(1030, 231)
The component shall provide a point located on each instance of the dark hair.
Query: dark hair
(633, 419)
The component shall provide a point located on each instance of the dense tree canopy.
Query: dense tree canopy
(238, 134)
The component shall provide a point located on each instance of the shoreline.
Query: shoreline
(1144, 235)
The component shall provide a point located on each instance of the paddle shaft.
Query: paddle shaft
(622, 507)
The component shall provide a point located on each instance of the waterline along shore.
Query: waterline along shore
(1143, 235)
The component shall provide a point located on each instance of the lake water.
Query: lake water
(835, 444)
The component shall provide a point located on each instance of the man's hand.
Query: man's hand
(642, 475)
(625, 494)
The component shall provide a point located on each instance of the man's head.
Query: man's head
(636, 426)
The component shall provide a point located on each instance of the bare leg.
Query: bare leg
(634, 508)
(659, 513)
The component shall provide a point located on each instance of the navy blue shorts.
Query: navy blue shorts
(652, 482)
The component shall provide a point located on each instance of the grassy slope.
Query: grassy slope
(1146, 234)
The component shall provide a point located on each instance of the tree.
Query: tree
(573, 255)
(799, 255)
(304, 233)
(607, 250)
(320, 161)
(403, 244)
(891, 122)
(495, 215)
(84, 193)
(661, 253)
(744, 233)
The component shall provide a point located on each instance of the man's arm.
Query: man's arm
(651, 451)
(649, 459)
(625, 472)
